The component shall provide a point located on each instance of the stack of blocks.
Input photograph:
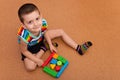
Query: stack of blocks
(57, 65)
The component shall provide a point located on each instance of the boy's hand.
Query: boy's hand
(39, 62)
(52, 48)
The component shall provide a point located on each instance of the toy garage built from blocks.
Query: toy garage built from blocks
(55, 65)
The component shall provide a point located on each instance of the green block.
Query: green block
(50, 71)
(60, 58)
(59, 63)
(64, 60)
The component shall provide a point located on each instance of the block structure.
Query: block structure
(55, 65)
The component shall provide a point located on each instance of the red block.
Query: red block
(57, 68)
(48, 60)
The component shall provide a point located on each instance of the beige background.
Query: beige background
(94, 20)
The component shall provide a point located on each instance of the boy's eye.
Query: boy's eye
(37, 18)
(29, 22)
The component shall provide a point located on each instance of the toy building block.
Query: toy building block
(48, 60)
(52, 66)
(62, 69)
(59, 63)
(55, 56)
(53, 61)
(50, 71)
(60, 58)
(57, 68)
(63, 60)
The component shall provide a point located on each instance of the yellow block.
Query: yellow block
(52, 66)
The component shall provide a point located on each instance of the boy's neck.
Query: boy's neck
(36, 33)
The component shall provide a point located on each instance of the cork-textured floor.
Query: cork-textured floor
(94, 20)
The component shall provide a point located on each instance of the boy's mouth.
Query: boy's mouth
(36, 27)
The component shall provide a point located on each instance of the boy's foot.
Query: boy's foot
(81, 49)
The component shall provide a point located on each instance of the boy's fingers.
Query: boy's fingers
(54, 50)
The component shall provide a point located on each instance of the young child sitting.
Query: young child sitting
(33, 35)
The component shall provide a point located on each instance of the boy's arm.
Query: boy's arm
(47, 37)
(23, 47)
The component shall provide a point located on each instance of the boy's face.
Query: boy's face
(32, 21)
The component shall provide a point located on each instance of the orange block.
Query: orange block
(55, 56)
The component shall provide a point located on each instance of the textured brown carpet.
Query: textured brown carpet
(94, 20)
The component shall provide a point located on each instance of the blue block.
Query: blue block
(53, 61)
(62, 69)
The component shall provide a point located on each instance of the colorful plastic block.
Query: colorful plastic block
(59, 63)
(62, 69)
(57, 68)
(52, 66)
(55, 56)
(59, 58)
(53, 61)
(48, 60)
(63, 60)
(50, 71)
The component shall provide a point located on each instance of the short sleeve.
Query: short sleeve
(44, 25)
(24, 35)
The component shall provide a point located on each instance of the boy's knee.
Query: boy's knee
(61, 31)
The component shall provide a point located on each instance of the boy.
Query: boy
(33, 33)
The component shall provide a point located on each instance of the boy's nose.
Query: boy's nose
(35, 23)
